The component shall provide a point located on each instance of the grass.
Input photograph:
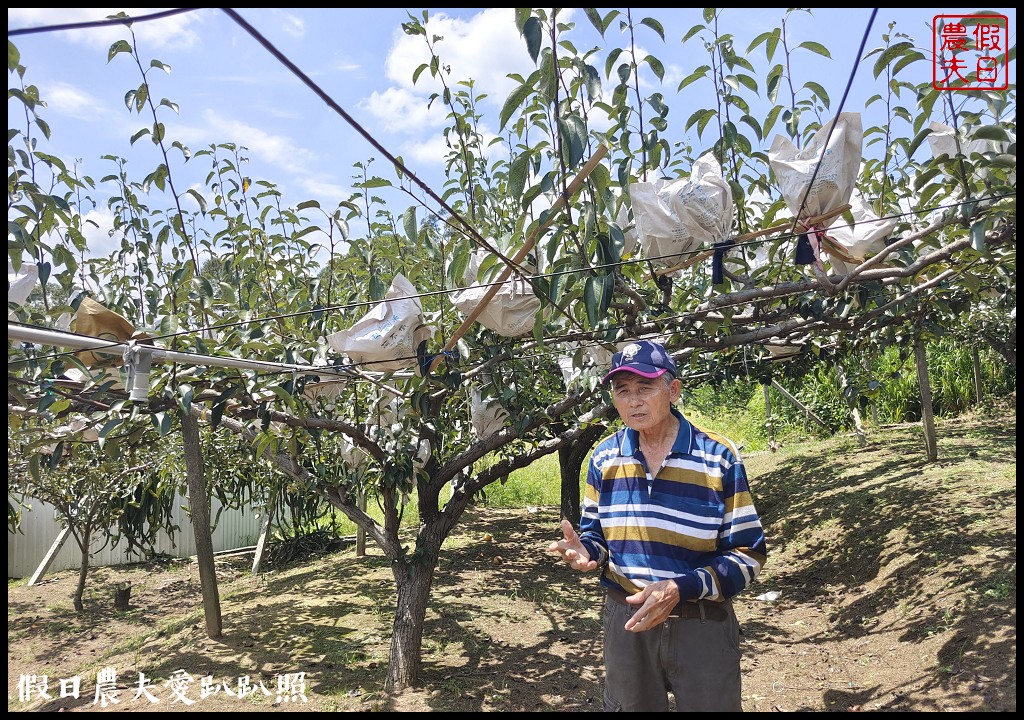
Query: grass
(536, 485)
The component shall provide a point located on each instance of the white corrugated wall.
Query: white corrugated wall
(39, 528)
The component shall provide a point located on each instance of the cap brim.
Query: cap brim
(647, 371)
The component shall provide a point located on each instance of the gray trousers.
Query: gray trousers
(697, 660)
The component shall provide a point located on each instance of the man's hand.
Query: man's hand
(571, 550)
(656, 602)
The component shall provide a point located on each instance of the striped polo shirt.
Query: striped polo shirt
(694, 523)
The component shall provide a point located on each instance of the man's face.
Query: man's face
(644, 403)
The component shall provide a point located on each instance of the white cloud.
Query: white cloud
(291, 24)
(174, 31)
(96, 228)
(276, 150)
(328, 194)
(425, 152)
(485, 49)
(69, 100)
(401, 111)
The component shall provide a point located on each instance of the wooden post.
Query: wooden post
(360, 533)
(261, 544)
(873, 404)
(768, 416)
(199, 512)
(47, 560)
(927, 418)
(976, 361)
(797, 403)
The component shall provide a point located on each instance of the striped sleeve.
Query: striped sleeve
(591, 532)
(742, 549)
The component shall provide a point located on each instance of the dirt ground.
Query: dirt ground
(894, 586)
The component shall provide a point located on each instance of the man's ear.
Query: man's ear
(676, 388)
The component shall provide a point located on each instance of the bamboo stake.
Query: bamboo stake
(560, 203)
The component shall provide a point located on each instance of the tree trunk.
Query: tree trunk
(413, 583)
(199, 510)
(976, 363)
(83, 571)
(570, 463)
(927, 418)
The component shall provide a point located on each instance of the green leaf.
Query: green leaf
(709, 14)
(728, 135)
(141, 95)
(656, 66)
(890, 54)
(819, 91)
(610, 62)
(108, 427)
(574, 136)
(916, 142)
(773, 82)
(910, 57)
(704, 120)
(923, 177)
(815, 48)
(691, 32)
(624, 71)
(286, 397)
(749, 82)
(56, 455)
(532, 33)
(410, 225)
(512, 103)
(517, 173)
(121, 46)
(697, 74)
(752, 122)
(655, 26)
(185, 395)
(163, 422)
(595, 19)
(991, 132)
(204, 286)
(597, 294)
(198, 197)
(758, 40)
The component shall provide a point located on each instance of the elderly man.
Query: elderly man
(669, 520)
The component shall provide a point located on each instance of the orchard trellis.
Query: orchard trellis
(229, 272)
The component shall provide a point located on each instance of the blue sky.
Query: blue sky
(230, 89)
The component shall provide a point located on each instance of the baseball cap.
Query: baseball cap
(645, 358)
